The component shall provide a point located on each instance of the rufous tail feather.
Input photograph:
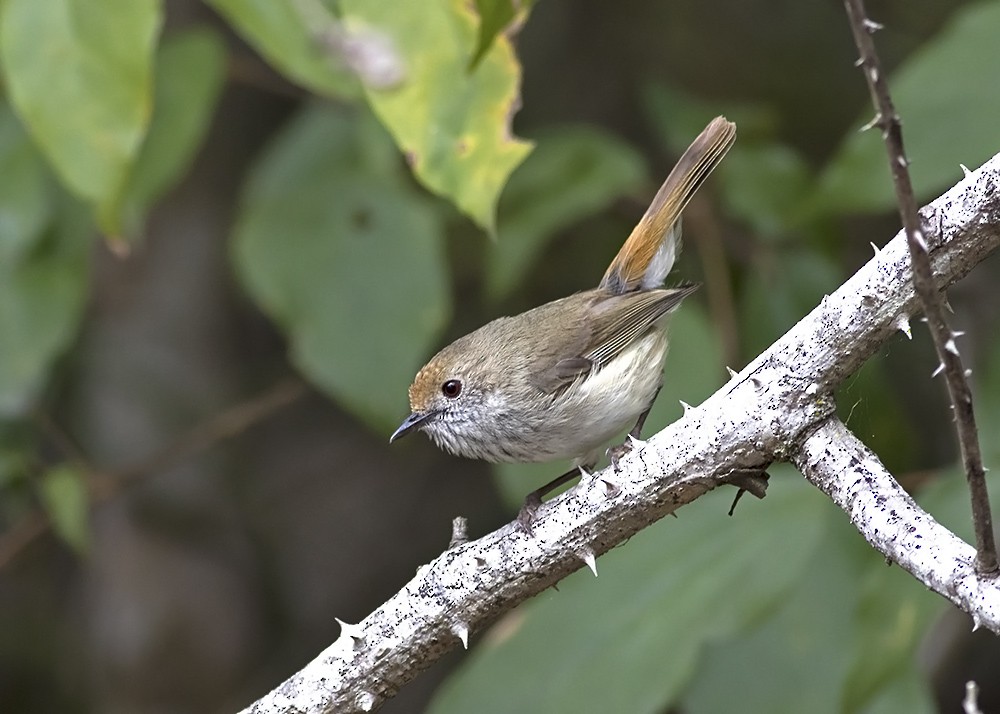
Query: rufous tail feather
(628, 271)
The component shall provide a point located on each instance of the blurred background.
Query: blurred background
(218, 275)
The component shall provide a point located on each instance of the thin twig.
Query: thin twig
(927, 291)
(229, 423)
(70, 450)
(104, 486)
(16, 538)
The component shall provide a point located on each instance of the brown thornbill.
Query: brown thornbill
(561, 380)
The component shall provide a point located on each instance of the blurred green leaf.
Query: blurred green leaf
(64, 496)
(629, 640)
(25, 200)
(452, 125)
(986, 384)
(347, 258)
(948, 96)
(873, 410)
(765, 182)
(694, 369)
(781, 288)
(678, 117)
(693, 372)
(282, 35)
(573, 173)
(42, 296)
(893, 614)
(13, 466)
(79, 74)
(796, 661)
(190, 70)
(765, 186)
(908, 693)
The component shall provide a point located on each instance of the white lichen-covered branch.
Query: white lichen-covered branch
(835, 461)
(778, 408)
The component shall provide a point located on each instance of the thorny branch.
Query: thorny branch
(836, 462)
(778, 407)
(930, 299)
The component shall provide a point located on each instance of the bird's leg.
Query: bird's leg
(615, 453)
(532, 502)
(753, 481)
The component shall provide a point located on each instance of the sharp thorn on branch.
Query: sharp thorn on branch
(903, 325)
(461, 631)
(611, 489)
(588, 556)
(875, 121)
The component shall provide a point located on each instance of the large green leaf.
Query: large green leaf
(573, 173)
(798, 660)
(452, 124)
(190, 70)
(25, 195)
(893, 614)
(42, 296)
(281, 33)
(948, 95)
(80, 75)
(628, 641)
(347, 258)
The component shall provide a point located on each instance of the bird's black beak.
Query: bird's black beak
(410, 423)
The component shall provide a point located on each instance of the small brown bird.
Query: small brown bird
(561, 380)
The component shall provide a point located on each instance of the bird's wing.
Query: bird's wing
(609, 324)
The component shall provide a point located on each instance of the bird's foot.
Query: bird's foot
(752, 481)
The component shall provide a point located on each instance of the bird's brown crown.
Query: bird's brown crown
(426, 385)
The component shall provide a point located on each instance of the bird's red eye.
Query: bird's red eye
(451, 389)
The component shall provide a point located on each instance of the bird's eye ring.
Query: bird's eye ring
(452, 388)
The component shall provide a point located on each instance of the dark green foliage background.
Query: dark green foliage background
(198, 202)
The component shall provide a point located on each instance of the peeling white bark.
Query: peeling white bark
(777, 408)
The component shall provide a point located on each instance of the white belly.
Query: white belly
(582, 421)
